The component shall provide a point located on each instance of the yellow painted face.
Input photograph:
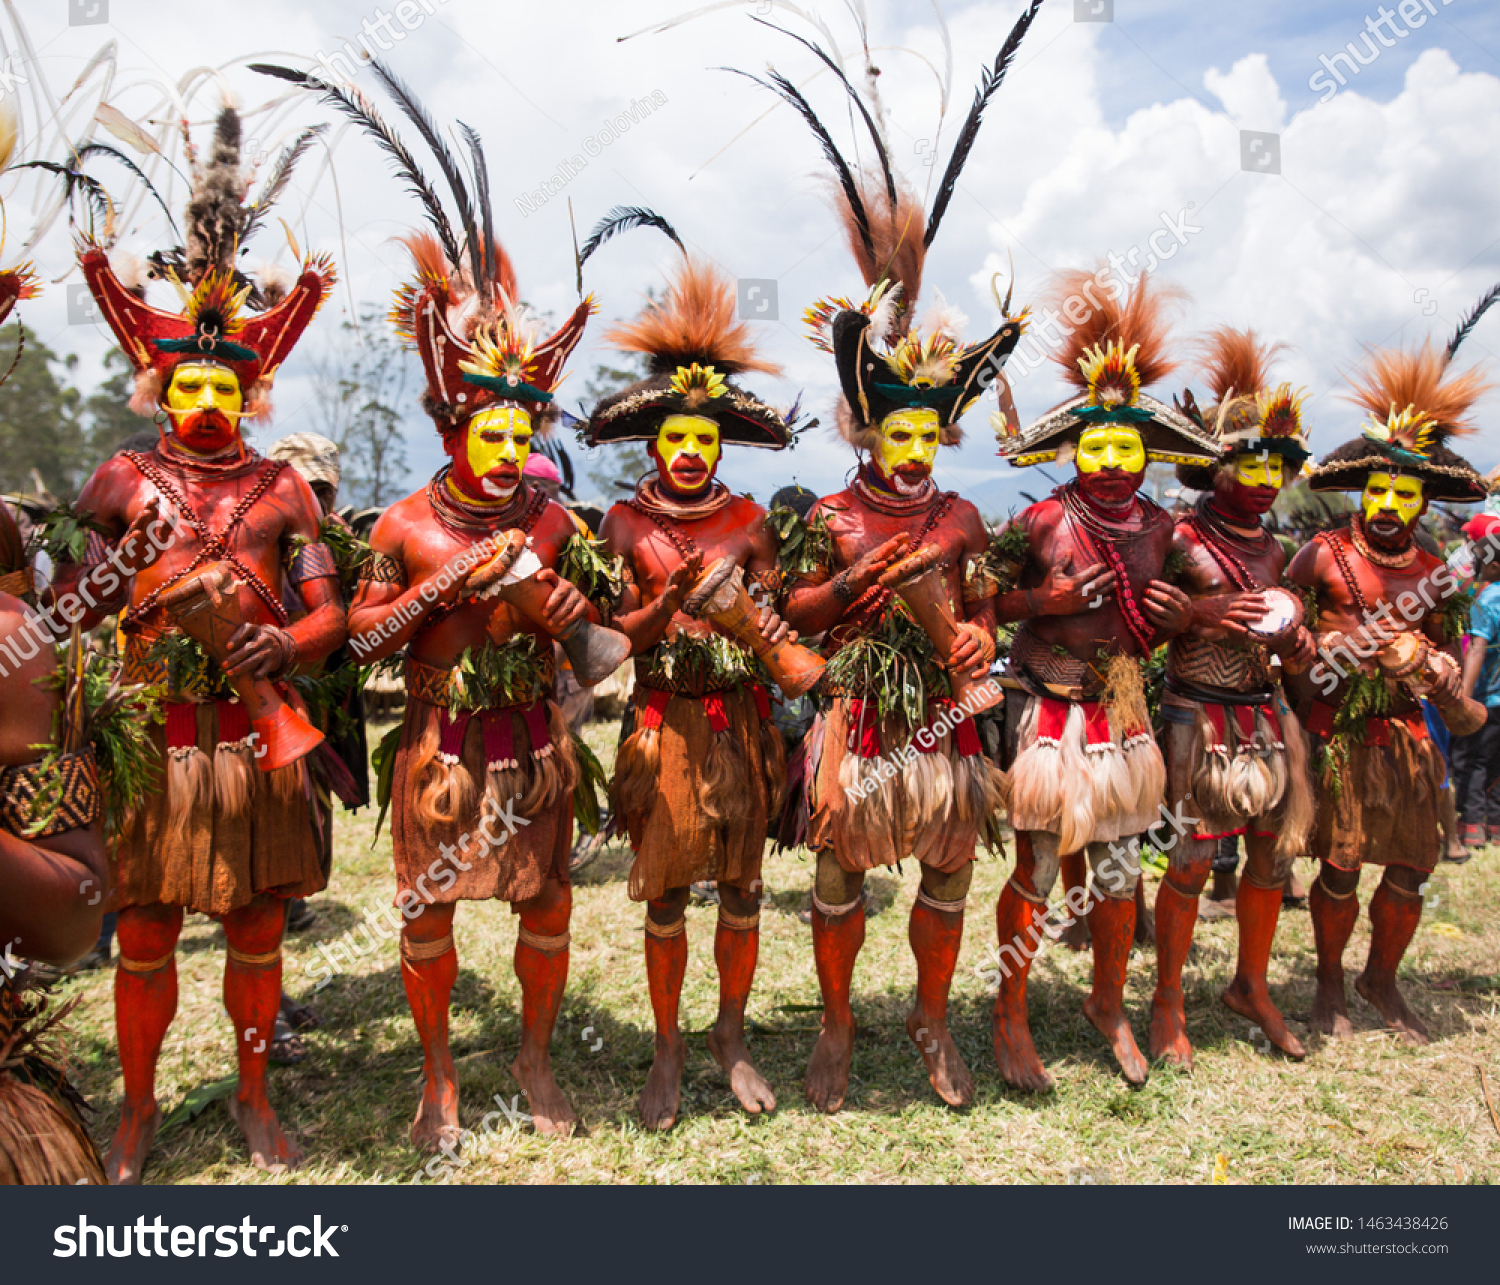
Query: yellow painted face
(1394, 494)
(205, 386)
(499, 435)
(907, 437)
(1110, 446)
(682, 438)
(1264, 469)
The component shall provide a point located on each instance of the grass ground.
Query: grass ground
(1368, 1110)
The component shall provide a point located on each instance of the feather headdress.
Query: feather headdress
(1247, 414)
(1417, 404)
(462, 311)
(227, 317)
(886, 361)
(692, 343)
(1118, 346)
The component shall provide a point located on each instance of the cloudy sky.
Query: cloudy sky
(1380, 227)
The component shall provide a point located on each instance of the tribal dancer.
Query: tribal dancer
(1391, 614)
(703, 772)
(53, 877)
(203, 526)
(894, 768)
(1235, 754)
(1092, 593)
(465, 579)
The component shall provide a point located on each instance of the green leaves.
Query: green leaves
(598, 578)
(510, 674)
(802, 547)
(895, 667)
(63, 534)
(383, 760)
(708, 662)
(591, 779)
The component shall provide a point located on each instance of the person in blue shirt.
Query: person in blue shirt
(1476, 758)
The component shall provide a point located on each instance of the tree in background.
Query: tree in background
(363, 385)
(109, 419)
(40, 432)
(614, 469)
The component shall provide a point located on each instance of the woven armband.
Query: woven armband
(381, 568)
(311, 561)
(62, 794)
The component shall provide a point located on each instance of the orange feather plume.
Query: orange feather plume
(1136, 319)
(897, 236)
(695, 322)
(1393, 380)
(1234, 361)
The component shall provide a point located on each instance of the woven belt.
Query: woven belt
(432, 684)
(1214, 696)
(1049, 668)
(140, 667)
(17, 583)
(1212, 665)
(694, 683)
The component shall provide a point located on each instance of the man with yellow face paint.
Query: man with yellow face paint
(700, 777)
(1088, 582)
(230, 832)
(1235, 759)
(1386, 612)
(483, 768)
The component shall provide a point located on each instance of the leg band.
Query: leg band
(255, 961)
(146, 965)
(1391, 886)
(666, 931)
(943, 907)
(1336, 896)
(744, 923)
(1024, 894)
(537, 942)
(416, 951)
(833, 912)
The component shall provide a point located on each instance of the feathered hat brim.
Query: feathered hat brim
(1169, 436)
(1445, 475)
(635, 414)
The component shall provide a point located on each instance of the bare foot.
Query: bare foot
(270, 1149)
(946, 1071)
(1329, 1013)
(747, 1084)
(437, 1116)
(133, 1139)
(1115, 1028)
(1387, 999)
(662, 1096)
(827, 1082)
(1016, 1057)
(551, 1113)
(1168, 1038)
(1254, 1002)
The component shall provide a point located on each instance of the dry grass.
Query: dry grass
(1367, 1111)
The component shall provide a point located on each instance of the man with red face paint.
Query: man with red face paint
(1235, 755)
(704, 770)
(893, 766)
(465, 580)
(1388, 623)
(1086, 774)
(224, 837)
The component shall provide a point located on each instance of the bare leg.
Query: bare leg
(1016, 922)
(838, 933)
(429, 966)
(1075, 868)
(252, 994)
(1176, 913)
(541, 963)
(666, 965)
(736, 946)
(1334, 908)
(1395, 910)
(1258, 906)
(936, 933)
(145, 1003)
(1113, 925)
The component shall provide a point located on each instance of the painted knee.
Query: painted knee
(547, 914)
(668, 908)
(1338, 883)
(148, 933)
(434, 924)
(1192, 862)
(256, 929)
(1406, 879)
(1116, 867)
(1046, 862)
(1265, 869)
(946, 892)
(739, 902)
(836, 891)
